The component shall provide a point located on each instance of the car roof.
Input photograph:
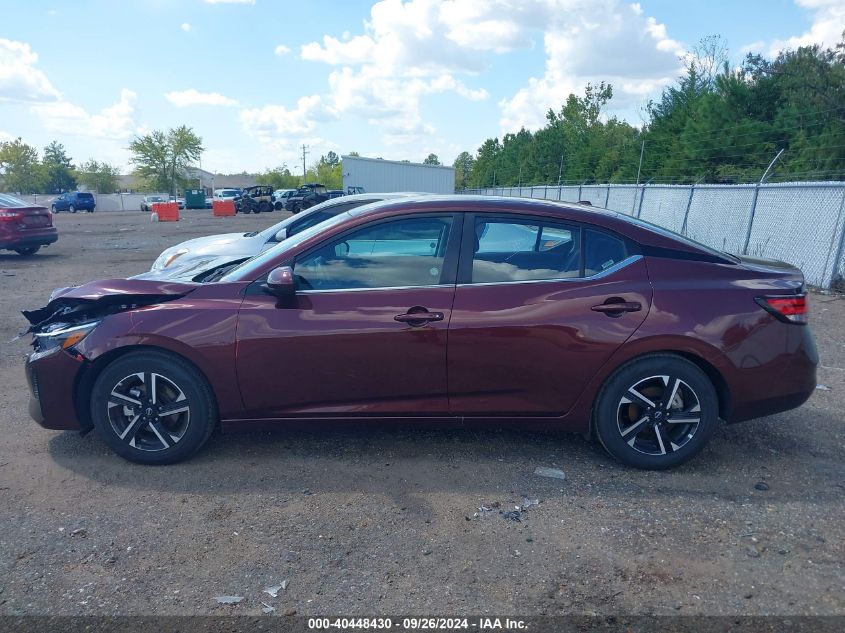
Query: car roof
(625, 225)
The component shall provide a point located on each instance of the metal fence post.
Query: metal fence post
(686, 213)
(840, 250)
(579, 192)
(642, 197)
(751, 219)
(607, 196)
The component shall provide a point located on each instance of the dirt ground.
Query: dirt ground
(374, 521)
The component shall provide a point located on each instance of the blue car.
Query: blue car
(74, 201)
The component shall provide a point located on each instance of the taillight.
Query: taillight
(787, 308)
(10, 216)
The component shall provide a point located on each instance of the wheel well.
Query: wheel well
(723, 393)
(85, 382)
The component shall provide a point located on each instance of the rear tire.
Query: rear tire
(28, 251)
(130, 400)
(656, 412)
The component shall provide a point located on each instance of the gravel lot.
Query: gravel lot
(374, 521)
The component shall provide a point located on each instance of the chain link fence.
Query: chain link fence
(800, 223)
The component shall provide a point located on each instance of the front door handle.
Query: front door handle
(617, 308)
(418, 318)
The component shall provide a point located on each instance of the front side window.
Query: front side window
(407, 252)
(516, 250)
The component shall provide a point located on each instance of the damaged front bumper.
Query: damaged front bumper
(53, 378)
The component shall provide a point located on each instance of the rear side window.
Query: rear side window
(602, 251)
(85, 196)
(513, 250)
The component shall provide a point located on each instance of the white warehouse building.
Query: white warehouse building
(382, 176)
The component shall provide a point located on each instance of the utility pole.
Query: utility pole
(305, 153)
(560, 171)
(642, 150)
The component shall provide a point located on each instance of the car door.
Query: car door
(540, 305)
(366, 331)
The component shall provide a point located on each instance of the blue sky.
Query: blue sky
(256, 79)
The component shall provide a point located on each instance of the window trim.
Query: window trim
(448, 276)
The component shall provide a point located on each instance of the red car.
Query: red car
(24, 227)
(459, 308)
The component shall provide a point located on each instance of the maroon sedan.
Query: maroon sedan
(457, 308)
(24, 227)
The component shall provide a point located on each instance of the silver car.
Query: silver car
(193, 259)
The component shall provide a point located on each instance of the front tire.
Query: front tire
(656, 412)
(153, 408)
(72, 209)
(53, 208)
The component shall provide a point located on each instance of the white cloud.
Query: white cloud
(274, 122)
(593, 41)
(117, 121)
(230, 1)
(192, 97)
(5, 136)
(410, 50)
(281, 49)
(753, 47)
(826, 29)
(20, 80)
(185, 27)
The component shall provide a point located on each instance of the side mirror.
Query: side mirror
(341, 249)
(281, 235)
(280, 282)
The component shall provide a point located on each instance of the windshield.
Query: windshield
(155, 199)
(248, 271)
(228, 193)
(10, 202)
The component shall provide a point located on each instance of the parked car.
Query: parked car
(426, 308)
(147, 202)
(209, 202)
(74, 201)
(351, 190)
(196, 258)
(335, 193)
(179, 201)
(306, 196)
(280, 196)
(24, 227)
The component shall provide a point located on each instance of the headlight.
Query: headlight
(62, 335)
(167, 257)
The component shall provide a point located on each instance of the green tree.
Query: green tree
(463, 169)
(431, 159)
(19, 168)
(162, 158)
(279, 178)
(57, 172)
(327, 171)
(99, 176)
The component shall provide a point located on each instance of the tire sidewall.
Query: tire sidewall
(605, 423)
(184, 376)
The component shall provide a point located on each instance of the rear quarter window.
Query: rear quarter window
(602, 251)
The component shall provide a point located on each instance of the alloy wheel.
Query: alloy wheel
(148, 411)
(658, 415)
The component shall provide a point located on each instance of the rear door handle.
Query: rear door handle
(418, 318)
(618, 308)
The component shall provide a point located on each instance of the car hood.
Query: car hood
(188, 268)
(232, 245)
(100, 298)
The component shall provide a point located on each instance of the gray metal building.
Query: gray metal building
(378, 175)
